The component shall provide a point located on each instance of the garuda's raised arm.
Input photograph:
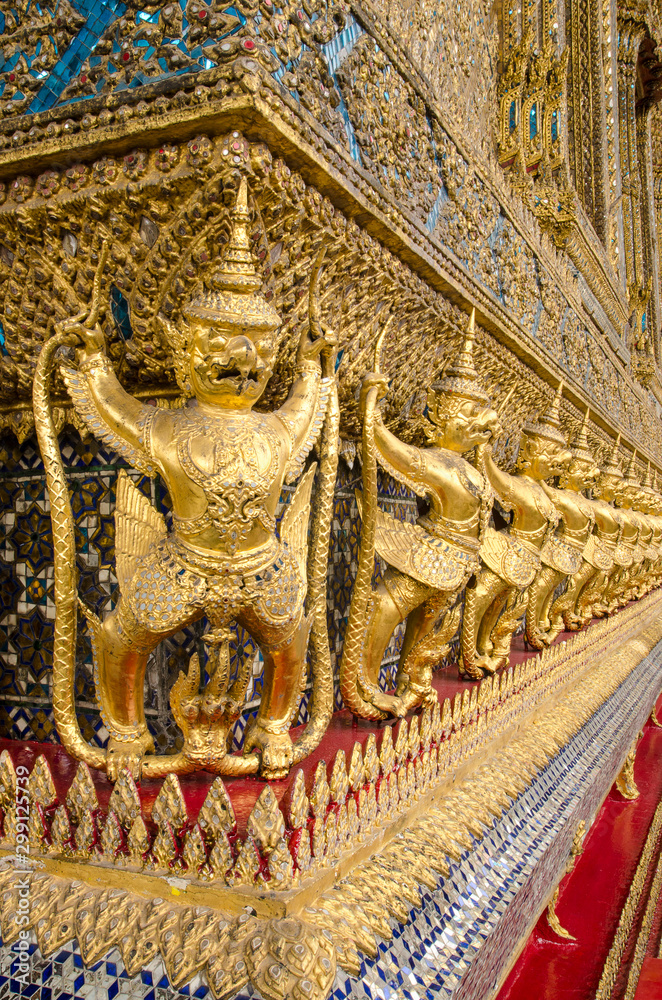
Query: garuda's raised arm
(111, 414)
(304, 409)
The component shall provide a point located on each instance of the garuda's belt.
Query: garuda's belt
(623, 555)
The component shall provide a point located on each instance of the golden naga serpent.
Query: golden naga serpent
(64, 558)
(352, 674)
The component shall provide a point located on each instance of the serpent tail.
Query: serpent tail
(64, 558)
(351, 667)
(321, 706)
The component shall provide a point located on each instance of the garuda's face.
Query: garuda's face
(542, 458)
(461, 424)
(230, 370)
(626, 495)
(580, 475)
(607, 485)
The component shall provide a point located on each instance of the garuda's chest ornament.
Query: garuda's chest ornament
(223, 558)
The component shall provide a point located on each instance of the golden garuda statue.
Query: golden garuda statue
(648, 502)
(600, 550)
(628, 555)
(224, 466)
(563, 554)
(496, 600)
(430, 562)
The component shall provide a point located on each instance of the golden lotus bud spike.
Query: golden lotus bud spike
(446, 718)
(414, 737)
(355, 771)
(648, 478)
(580, 447)
(435, 722)
(386, 751)
(631, 471)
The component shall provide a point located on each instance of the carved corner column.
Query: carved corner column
(649, 228)
(615, 236)
(587, 111)
(630, 37)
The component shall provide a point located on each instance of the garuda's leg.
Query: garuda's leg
(284, 673)
(563, 613)
(540, 596)
(590, 603)
(614, 589)
(395, 597)
(503, 630)
(484, 600)
(122, 647)
(430, 627)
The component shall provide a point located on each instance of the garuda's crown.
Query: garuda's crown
(461, 378)
(548, 425)
(237, 305)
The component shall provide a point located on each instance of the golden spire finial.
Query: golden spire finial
(553, 414)
(613, 466)
(580, 447)
(648, 478)
(631, 471)
(237, 270)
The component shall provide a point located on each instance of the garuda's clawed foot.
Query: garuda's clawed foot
(536, 638)
(276, 750)
(127, 755)
(571, 622)
(482, 666)
(390, 704)
(415, 697)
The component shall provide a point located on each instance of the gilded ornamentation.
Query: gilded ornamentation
(562, 556)
(629, 912)
(191, 201)
(575, 851)
(296, 955)
(430, 562)
(511, 558)
(225, 467)
(625, 782)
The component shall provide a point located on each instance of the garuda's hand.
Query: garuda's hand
(325, 344)
(373, 380)
(92, 338)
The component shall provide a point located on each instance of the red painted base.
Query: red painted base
(342, 733)
(593, 895)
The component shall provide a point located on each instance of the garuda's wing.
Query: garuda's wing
(505, 555)
(294, 525)
(426, 558)
(81, 397)
(138, 527)
(296, 463)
